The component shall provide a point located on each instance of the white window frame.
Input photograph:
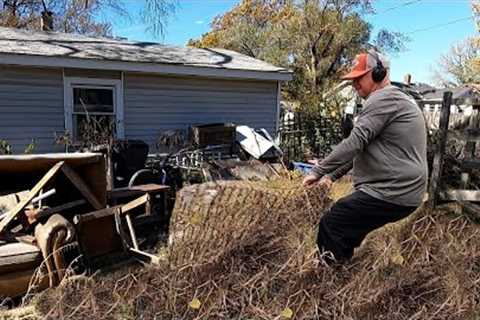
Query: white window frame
(69, 83)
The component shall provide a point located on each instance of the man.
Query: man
(387, 150)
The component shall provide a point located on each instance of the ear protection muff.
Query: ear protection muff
(379, 72)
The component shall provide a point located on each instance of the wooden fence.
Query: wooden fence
(471, 135)
(457, 120)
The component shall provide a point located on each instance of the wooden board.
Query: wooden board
(82, 187)
(460, 195)
(97, 235)
(136, 190)
(28, 169)
(135, 203)
(440, 151)
(35, 190)
(97, 214)
(39, 162)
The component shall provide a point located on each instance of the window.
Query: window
(93, 109)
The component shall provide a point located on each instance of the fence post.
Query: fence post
(437, 166)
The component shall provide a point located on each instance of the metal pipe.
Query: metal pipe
(44, 195)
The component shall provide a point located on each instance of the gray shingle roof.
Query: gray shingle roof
(422, 91)
(457, 93)
(62, 45)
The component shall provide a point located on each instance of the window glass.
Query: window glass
(92, 100)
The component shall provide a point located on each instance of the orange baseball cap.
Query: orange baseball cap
(360, 67)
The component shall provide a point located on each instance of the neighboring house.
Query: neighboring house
(465, 102)
(463, 99)
(50, 82)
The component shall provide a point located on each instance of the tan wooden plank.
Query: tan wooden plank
(82, 218)
(152, 258)
(35, 190)
(82, 187)
(136, 190)
(460, 195)
(135, 203)
(133, 236)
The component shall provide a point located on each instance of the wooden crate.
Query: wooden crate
(213, 134)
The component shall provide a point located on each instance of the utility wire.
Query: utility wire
(408, 3)
(439, 25)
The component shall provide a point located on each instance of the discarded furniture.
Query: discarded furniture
(117, 227)
(156, 205)
(84, 173)
(67, 215)
(39, 264)
(18, 262)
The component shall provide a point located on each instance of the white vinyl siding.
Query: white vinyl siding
(157, 103)
(31, 107)
(32, 104)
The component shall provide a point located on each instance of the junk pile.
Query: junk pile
(425, 267)
(57, 215)
(218, 142)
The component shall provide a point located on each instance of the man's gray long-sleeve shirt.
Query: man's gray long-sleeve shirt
(388, 148)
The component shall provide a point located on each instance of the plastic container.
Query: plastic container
(304, 168)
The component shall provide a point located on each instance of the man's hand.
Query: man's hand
(310, 180)
(326, 181)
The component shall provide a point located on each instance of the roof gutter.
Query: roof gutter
(63, 62)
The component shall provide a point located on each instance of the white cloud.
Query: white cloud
(199, 22)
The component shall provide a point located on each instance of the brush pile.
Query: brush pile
(243, 250)
(213, 220)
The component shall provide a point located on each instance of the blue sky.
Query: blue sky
(193, 17)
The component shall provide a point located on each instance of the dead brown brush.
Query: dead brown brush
(424, 267)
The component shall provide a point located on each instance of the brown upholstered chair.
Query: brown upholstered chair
(42, 265)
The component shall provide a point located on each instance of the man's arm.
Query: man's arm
(370, 123)
(340, 171)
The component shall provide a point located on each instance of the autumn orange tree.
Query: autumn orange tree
(316, 39)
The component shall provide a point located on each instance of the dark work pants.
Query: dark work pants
(350, 219)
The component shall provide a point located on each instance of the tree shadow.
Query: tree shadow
(114, 50)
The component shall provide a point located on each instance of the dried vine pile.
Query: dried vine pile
(224, 266)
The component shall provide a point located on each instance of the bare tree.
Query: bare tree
(476, 12)
(81, 16)
(460, 65)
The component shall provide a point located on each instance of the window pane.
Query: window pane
(94, 129)
(92, 100)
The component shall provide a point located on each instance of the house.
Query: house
(465, 102)
(54, 82)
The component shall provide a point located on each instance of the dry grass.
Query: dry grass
(425, 267)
